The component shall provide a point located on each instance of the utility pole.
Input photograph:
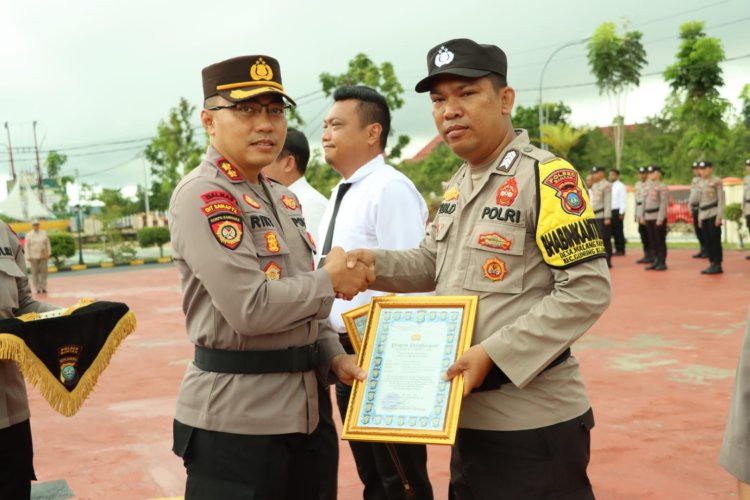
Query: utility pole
(38, 169)
(78, 223)
(10, 153)
(145, 187)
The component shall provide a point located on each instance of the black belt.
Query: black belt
(746, 200)
(710, 205)
(293, 359)
(495, 378)
(651, 210)
(638, 203)
(600, 210)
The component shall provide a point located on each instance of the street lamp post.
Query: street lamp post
(80, 239)
(541, 81)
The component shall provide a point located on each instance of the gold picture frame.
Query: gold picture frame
(409, 342)
(356, 324)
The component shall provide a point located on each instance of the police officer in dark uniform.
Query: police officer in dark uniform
(702, 254)
(654, 217)
(710, 197)
(640, 192)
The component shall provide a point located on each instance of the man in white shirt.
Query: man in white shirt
(619, 200)
(373, 206)
(289, 170)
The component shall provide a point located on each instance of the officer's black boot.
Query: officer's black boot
(661, 264)
(714, 269)
(701, 255)
(654, 265)
(648, 258)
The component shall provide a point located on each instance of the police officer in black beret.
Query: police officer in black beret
(640, 193)
(702, 253)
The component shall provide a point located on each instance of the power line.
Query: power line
(109, 169)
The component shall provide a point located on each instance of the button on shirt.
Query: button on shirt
(382, 209)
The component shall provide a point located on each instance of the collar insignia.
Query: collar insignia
(229, 171)
(289, 202)
(506, 194)
(508, 160)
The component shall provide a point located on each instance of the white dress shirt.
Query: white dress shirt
(313, 205)
(619, 196)
(382, 209)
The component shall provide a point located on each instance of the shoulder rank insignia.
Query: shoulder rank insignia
(272, 242)
(494, 269)
(218, 195)
(494, 240)
(452, 194)
(250, 201)
(506, 194)
(508, 160)
(227, 229)
(272, 271)
(289, 202)
(229, 171)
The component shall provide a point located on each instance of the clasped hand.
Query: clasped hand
(347, 281)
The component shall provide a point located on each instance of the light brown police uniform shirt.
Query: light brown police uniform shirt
(601, 199)
(639, 191)
(693, 196)
(746, 196)
(38, 245)
(483, 242)
(15, 299)
(655, 201)
(710, 197)
(245, 262)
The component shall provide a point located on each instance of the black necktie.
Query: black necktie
(343, 188)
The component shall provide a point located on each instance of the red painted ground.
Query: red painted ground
(659, 366)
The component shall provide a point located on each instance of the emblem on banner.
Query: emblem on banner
(67, 356)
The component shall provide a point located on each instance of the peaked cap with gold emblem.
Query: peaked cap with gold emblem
(242, 78)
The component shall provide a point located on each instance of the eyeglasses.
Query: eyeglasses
(251, 109)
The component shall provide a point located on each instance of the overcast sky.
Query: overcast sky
(104, 73)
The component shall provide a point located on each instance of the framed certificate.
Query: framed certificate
(408, 344)
(355, 322)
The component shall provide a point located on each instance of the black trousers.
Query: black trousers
(375, 466)
(699, 231)
(325, 445)
(644, 238)
(657, 237)
(534, 464)
(606, 232)
(618, 232)
(237, 466)
(712, 239)
(747, 222)
(16, 462)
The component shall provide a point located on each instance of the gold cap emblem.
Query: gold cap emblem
(260, 70)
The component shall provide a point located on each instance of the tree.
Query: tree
(429, 174)
(363, 71)
(745, 110)
(696, 105)
(320, 175)
(172, 153)
(561, 138)
(527, 117)
(63, 246)
(54, 164)
(616, 62)
(157, 236)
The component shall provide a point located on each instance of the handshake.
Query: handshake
(350, 273)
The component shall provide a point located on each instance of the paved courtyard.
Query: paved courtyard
(659, 366)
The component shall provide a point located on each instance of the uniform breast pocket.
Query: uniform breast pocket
(441, 233)
(273, 253)
(496, 261)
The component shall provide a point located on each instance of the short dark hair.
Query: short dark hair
(296, 145)
(372, 108)
(498, 81)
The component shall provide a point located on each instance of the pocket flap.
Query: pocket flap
(9, 267)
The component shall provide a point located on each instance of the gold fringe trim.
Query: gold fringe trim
(37, 374)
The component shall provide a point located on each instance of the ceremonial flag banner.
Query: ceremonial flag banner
(63, 352)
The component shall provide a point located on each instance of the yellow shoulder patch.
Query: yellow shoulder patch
(566, 232)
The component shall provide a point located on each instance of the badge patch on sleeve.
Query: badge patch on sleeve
(219, 207)
(566, 231)
(289, 202)
(273, 271)
(506, 194)
(218, 195)
(227, 229)
(494, 269)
